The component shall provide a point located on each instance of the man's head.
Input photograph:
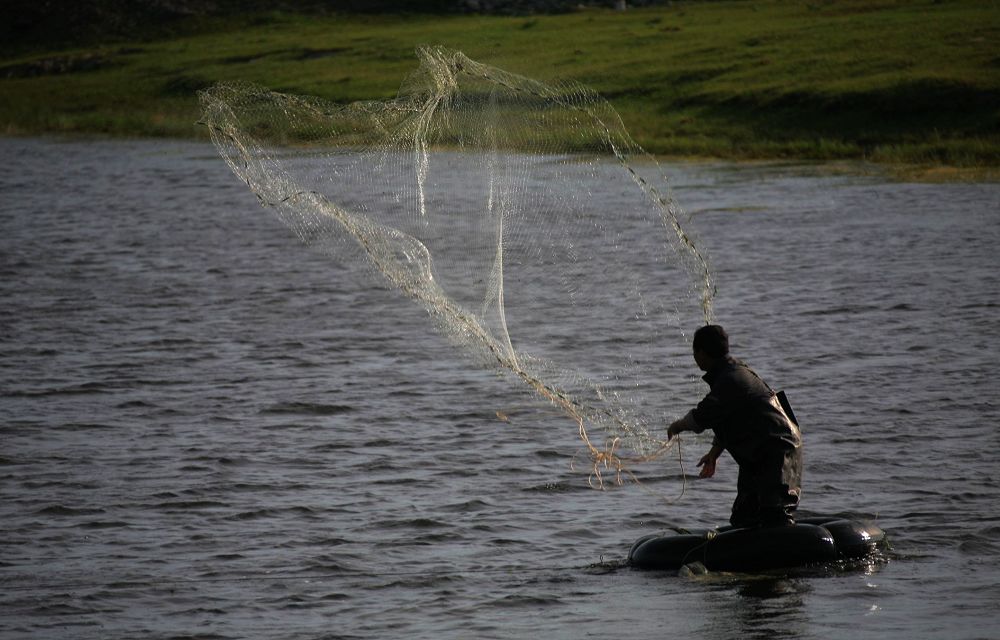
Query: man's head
(711, 344)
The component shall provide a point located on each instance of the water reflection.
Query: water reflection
(764, 607)
(773, 605)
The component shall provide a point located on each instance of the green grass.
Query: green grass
(889, 81)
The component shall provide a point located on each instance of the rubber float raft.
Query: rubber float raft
(809, 541)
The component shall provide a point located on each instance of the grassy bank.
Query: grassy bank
(898, 82)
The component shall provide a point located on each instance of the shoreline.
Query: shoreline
(773, 80)
(892, 172)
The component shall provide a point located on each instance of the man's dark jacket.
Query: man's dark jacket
(744, 413)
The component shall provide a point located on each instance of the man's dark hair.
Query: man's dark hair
(712, 339)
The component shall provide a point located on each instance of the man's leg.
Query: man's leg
(746, 507)
(779, 486)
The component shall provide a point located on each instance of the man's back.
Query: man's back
(743, 411)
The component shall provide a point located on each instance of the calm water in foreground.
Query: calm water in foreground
(209, 431)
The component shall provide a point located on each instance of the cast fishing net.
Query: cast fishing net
(535, 232)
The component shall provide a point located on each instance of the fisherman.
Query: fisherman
(749, 422)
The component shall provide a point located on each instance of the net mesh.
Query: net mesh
(522, 216)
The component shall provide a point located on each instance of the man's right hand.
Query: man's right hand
(675, 428)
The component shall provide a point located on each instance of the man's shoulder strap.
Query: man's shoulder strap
(786, 407)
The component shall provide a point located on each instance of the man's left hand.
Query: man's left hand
(707, 464)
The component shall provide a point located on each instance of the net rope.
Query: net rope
(520, 215)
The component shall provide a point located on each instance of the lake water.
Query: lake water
(208, 431)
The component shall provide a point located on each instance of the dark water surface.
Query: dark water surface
(207, 430)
